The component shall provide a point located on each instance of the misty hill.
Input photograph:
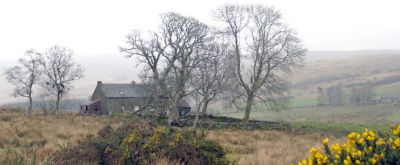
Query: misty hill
(334, 55)
(379, 69)
(321, 68)
(347, 69)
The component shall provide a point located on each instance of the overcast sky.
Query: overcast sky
(95, 29)
(92, 27)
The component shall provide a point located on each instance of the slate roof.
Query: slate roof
(112, 90)
(124, 90)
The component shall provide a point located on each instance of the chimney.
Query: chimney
(99, 82)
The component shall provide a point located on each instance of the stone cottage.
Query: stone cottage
(111, 98)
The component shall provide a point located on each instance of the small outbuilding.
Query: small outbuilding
(91, 107)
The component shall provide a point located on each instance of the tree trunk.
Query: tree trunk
(173, 111)
(249, 103)
(44, 111)
(196, 119)
(57, 102)
(157, 100)
(30, 105)
(205, 106)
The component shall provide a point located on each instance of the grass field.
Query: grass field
(268, 147)
(370, 114)
(25, 140)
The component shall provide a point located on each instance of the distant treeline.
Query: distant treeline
(71, 105)
(359, 94)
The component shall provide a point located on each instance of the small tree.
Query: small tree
(320, 96)
(335, 95)
(59, 72)
(361, 95)
(24, 75)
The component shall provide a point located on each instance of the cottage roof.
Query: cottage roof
(124, 90)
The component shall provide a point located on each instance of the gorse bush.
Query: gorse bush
(144, 143)
(365, 148)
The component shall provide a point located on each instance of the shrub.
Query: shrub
(364, 148)
(5, 118)
(162, 119)
(144, 143)
(23, 133)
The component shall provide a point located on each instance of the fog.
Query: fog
(95, 30)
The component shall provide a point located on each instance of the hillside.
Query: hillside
(382, 71)
(322, 68)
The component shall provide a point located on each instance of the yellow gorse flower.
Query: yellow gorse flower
(369, 135)
(125, 145)
(313, 151)
(396, 144)
(336, 148)
(380, 142)
(396, 130)
(364, 148)
(325, 141)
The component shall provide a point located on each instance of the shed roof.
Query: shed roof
(90, 102)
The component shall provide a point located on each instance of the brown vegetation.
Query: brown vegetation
(36, 137)
(267, 147)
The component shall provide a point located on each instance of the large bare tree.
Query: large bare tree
(169, 55)
(185, 38)
(264, 47)
(59, 72)
(24, 75)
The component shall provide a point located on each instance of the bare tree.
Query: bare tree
(335, 95)
(265, 49)
(24, 75)
(361, 94)
(185, 38)
(320, 96)
(211, 76)
(59, 72)
(169, 54)
(150, 52)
